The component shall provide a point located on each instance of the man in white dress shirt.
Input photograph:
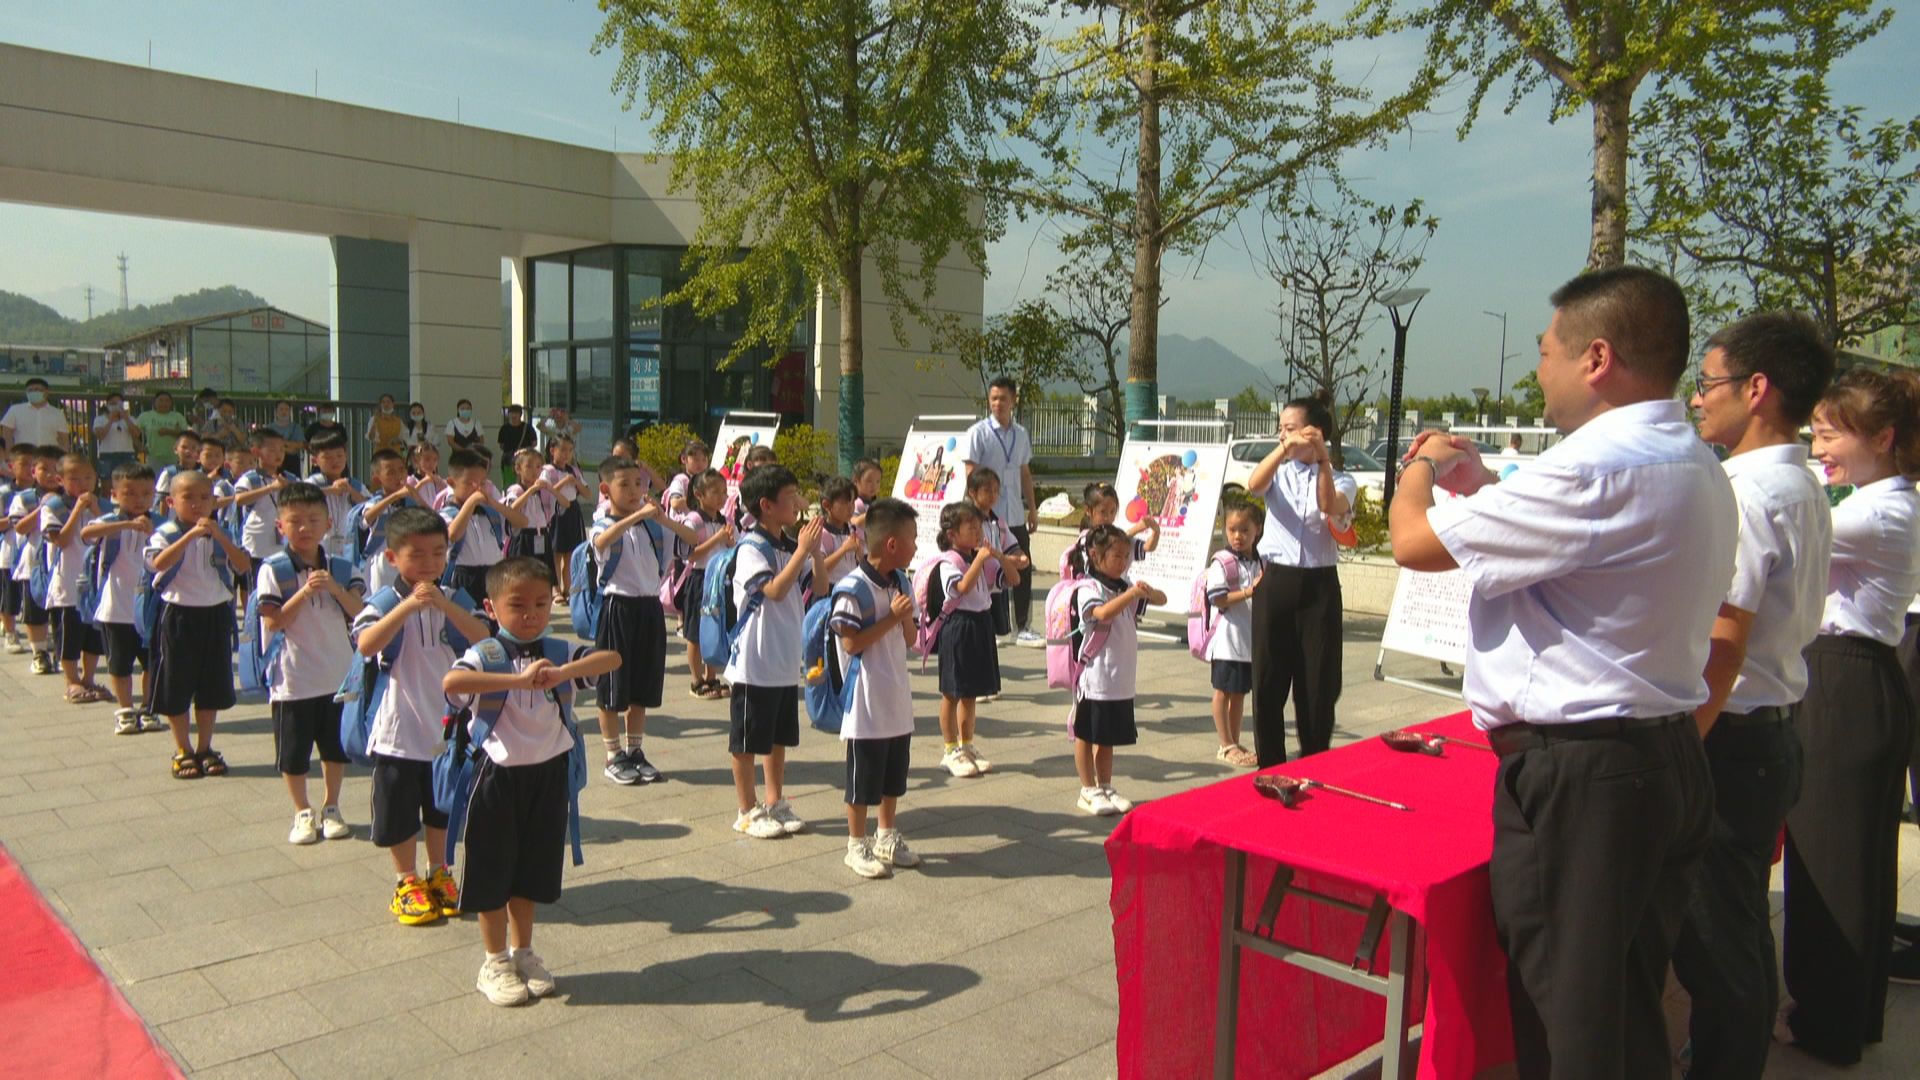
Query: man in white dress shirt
(1001, 444)
(1597, 573)
(1758, 384)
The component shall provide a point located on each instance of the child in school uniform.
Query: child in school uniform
(1102, 505)
(840, 538)
(764, 709)
(186, 456)
(19, 478)
(343, 492)
(367, 522)
(426, 474)
(121, 536)
(62, 516)
(632, 623)
(695, 457)
(533, 496)
(571, 494)
(314, 615)
(983, 491)
(414, 643)
(878, 725)
(516, 821)
(969, 656)
(477, 524)
(256, 494)
(25, 513)
(1103, 707)
(213, 462)
(704, 519)
(866, 488)
(1230, 652)
(194, 564)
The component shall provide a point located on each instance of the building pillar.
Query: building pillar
(453, 320)
(368, 324)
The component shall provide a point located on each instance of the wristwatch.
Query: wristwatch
(1431, 464)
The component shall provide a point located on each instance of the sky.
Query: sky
(1512, 199)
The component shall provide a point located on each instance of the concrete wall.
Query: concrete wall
(369, 319)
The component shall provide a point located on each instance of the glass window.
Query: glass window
(593, 294)
(685, 396)
(643, 311)
(550, 380)
(550, 299)
(643, 380)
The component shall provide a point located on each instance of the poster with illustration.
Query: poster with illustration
(931, 475)
(1178, 485)
(740, 432)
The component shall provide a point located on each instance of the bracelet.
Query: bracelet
(1432, 465)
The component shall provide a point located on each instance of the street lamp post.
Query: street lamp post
(1410, 299)
(1500, 388)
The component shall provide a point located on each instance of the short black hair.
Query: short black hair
(461, 460)
(23, 449)
(515, 570)
(1004, 382)
(132, 470)
(39, 382)
(189, 433)
(1099, 489)
(386, 454)
(886, 517)
(327, 440)
(614, 465)
(410, 521)
(952, 516)
(1239, 507)
(302, 494)
(835, 489)
(1640, 312)
(48, 453)
(763, 483)
(864, 466)
(761, 455)
(980, 477)
(1319, 413)
(1788, 348)
(261, 436)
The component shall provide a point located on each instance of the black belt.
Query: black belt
(1514, 738)
(1764, 716)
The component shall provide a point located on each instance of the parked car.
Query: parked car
(1379, 448)
(1244, 454)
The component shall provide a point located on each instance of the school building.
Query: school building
(422, 214)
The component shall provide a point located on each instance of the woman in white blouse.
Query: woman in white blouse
(1856, 721)
(463, 431)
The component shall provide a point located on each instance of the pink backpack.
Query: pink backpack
(928, 594)
(1068, 650)
(1203, 619)
(1067, 571)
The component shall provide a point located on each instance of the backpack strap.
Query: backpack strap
(607, 558)
(170, 530)
(558, 654)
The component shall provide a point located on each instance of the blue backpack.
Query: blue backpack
(367, 678)
(147, 602)
(829, 692)
(41, 555)
(720, 623)
(267, 646)
(493, 521)
(96, 564)
(458, 763)
(587, 577)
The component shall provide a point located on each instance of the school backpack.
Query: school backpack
(96, 564)
(1069, 645)
(828, 690)
(720, 622)
(147, 600)
(587, 577)
(930, 601)
(365, 541)
(485, 514)
(267, 646)
(367, 677)
(42, 557)
(1203, 619)
(457, 765)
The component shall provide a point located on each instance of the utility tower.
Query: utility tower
(89, 303)
(123, 281)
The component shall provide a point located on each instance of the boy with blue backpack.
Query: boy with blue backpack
(629, 553)
(366, 526)
(17, 477)
(111, 589)
(256, 494)
(193, 564)
(521, 801)
(62, 517)
(305, 602)
(25, 513)
(342, 492)
(409, 634)
(477, 523)
(871, 616)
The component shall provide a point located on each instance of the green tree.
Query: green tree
(1253, 399)
(1595, 54)
(819, 136)
(1030, 344)
(1205, 105)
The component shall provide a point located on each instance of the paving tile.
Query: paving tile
(177, 950)
(265, 973)
(174, 997)
(397, 1045)
(1031, 1033)
(267, 1066)
(364, 996)
(244, 1030)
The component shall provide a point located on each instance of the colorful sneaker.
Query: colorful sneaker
(958, 763)
(333, 826)
(758, 824)
(643, 769)
(861, 861)
(500, 982)
(444, 891)
(414, 906)
(534, 973)
(1093, 800)
(972, 750)
(790, 822)
(1120, 803)
(891, 848)
(126, 722)
(620, 769)
(150, 722)
(303, 831)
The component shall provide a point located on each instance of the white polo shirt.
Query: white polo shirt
(63, 588)
(637, 571)
(259, 519)
(1233, 634)
(36, 425)
(1779, 571)
(769, 644)
(121, 581)
(316, 648)
(1876, 561)
(1109, 675)
(197, 582)
(539, 509)
(409, 721)
(484, 542)
(339, 539)
(1597, 572)
(530, 729)
(1298, 533)
(980, 597)
(25, 504)
(883, 698)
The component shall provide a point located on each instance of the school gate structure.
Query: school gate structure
(420, 214)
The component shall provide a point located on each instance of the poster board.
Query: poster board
(739, 433)
(1428, 618)
(1175, 477)
(931, 472)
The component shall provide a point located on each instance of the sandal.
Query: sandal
(721, 690)
(711, 690)
(186, 766)
(212, 763)
(79, 695)
(698, 689)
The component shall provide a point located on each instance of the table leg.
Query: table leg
(1227, 995)
(1396, 1059)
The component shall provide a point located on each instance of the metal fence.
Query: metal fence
(352, 415)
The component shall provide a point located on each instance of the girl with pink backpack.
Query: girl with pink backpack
(1103, 699)
(960, 596)
(1100, 505)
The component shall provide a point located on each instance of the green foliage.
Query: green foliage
(1253, 399)
(659, 446)
(1030, 344)
(889, 470)
(805, 450)
(1369, 523)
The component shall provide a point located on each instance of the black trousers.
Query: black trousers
(1296, 650)
(1843, 844)
(1725, 953)
(1910, 663)
(1023, 592)
(1596, 827)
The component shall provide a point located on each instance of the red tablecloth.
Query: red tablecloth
(1168, 872)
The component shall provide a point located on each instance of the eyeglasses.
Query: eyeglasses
(1702, 382)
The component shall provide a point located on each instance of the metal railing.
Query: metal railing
(81, 409)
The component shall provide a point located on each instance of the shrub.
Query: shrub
(659, 448)
(1369, 523)
(889, 469)
(806, 450)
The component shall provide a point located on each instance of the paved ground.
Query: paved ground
(250, 957)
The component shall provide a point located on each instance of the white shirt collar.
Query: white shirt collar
(1792, 453)
(1886, 485)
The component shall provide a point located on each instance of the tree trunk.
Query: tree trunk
(1143, 334)
(853, 400)
(1612, 112)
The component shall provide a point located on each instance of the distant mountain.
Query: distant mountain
(1203, 369)
(24, 321)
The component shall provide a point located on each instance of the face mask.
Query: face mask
(113, 406)
(517, 639)
(384, 409)
(326, 417)
(466, 414)
(35, 397)
(285, 417)
(419, 416)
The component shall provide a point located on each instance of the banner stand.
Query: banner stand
(1179, 464)
(931, 473)
(1428, 619)
(740, 432)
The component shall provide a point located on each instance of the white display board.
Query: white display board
(1429, 616)
(740, 432)
(931, 473)
(1177, 482)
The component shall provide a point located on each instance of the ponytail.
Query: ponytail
(1866, 402)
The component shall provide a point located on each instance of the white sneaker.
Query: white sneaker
(758, 824)
(500, 981)
(1120, 803)
(150, 722)
(987, 699)
(972, 750)
(1027, 639)
(534, 973)
(860, 859)
(782, 812)
(304, 830)
(333, 826)
(958, 763)
(15, 645)
(891, 848)
(126, 722)
(1093, 800)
